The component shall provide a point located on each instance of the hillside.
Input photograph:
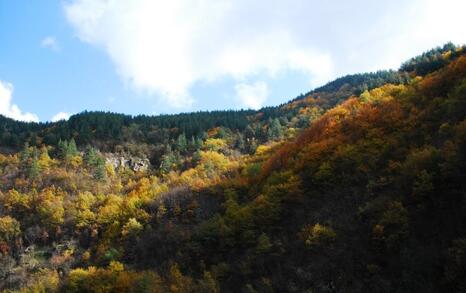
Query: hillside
(356, 186)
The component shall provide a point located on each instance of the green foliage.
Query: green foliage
(275, 130)
(181, 143)
(34, 168)
(67, 150)
(433, 60)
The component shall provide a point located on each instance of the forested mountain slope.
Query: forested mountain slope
(358, 186)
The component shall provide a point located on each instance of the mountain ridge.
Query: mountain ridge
(323, 194)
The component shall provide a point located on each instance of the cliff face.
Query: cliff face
(136, 164)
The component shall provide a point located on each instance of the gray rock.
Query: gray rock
(121, 161)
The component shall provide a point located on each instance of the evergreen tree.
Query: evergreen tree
(100, 171)
(239, 142)
(72, 148)
(196, 158)
(275, 130)
(169, 160)
(91, 156)
(25, 153)
(249, 132)
(62, 147)
(198, 143)
(34, 168)
(181, 143)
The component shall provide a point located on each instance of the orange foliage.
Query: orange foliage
(437, 83)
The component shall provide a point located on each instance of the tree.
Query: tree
(239, 142)
(249, 132)
(263, 244)
(275, 130)
(96, 162)
(25, 153)
(72, 148)
(198, 143)
(317, 235)
(196, 158)
(50, 208)
(181, 143)
(169, 162)
(215, 144)
(44, 159)
(34, 169)
(90, 156)
(208, 284)
(131, 228)
(9, 228)
(100, 172)
(67, 150)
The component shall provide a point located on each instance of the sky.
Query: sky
(58, 58)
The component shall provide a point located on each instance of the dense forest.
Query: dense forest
(356, 186)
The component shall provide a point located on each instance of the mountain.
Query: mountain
(356, 186)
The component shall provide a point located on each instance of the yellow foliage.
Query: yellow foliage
(214, 160)
(145, 190)
(317, 235)
(132, 227)
(45, 280)
(214, 144)
(110, 170)
(262, 149)
(110, 210)
(9, 228)
(78, 277)
(44, 159)
(81, 209)
(50, 207)
(116, 266)
(382, 94)
(13, 201)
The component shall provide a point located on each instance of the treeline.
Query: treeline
(107, 130)
(112, 128)
(433, 59)
(90, 127)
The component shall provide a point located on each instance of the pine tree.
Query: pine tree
(181, 143)
(34, 169)
(72, 148)
(199, 143)
(100, 172)
(239, 142)
(91, 156)
(25, 153)
(275, 130)
(196, 158)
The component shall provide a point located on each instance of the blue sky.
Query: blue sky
(151, 57)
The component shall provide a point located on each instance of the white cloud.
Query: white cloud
(61, 116)
(51, 43)
(11, 110)
(407, 30)
(165, 47)
(252, 95)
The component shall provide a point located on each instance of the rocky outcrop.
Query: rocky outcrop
(121, 161)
